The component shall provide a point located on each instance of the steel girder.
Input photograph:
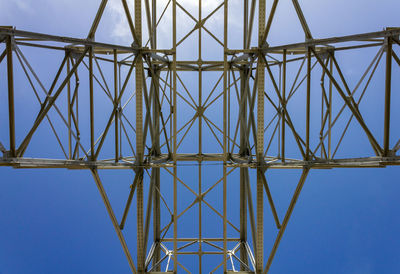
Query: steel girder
(255, 126)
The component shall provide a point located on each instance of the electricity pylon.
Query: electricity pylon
(225, 120)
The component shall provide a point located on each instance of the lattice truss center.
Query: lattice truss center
(199, 135)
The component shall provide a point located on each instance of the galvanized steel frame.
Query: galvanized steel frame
(151, 127)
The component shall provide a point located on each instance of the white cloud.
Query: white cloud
(121, 32)
(24, 6)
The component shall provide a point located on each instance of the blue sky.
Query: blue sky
(53, 221)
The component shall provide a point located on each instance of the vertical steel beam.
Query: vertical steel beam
(225, 171)
(148, 212)
(245, 21)
(308, 104)
(91, 104)
(75, 102)
(251, 211)
(200, 136)
(140, 233)
(260, 144)
(283, 103)
(139, 85)
(200, 91)
(243, 151)
(330, 110)
(116, 102)
(200, 222)
(174, 127)
(388, 85)
(243, 216)
(154, 22)
(139, 138)
(10, 79)
(155, 175)
(243, 142)
(225, 148)
(69, 107)
(156, 214)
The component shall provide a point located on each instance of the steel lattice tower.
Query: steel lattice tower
(267, 107)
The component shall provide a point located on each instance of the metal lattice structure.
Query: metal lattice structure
(143, 108)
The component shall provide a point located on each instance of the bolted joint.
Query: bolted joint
(387, 43)
(200, 197)
(261, 164)
(119, 110)
(134, 45)
(73, 53)
(149, 72)
(325, 52)
(12, 41)
(312, 47)
(155, 68)
(308, 39)
(199, 24)
(395, 36)
(200, 111)
(7, 154)
(324, 55)
(391, 153)
(265, 45)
